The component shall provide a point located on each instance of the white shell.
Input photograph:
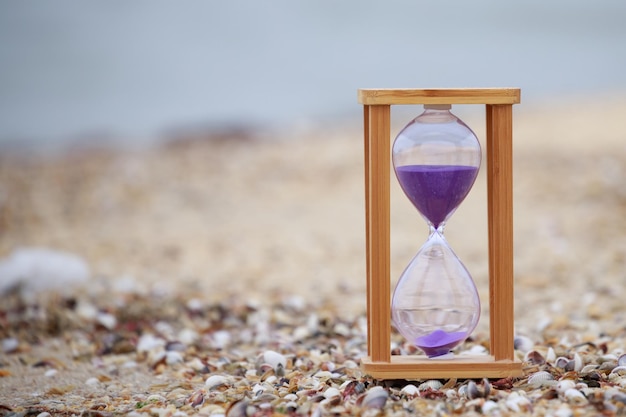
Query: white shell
(517, 403)
(564, 385)
(588, 368)
(432, 384)
(489, 406)
(619, 370)
(575, 397)
(331, 393)
(173, 357)
(541, 379)
(215, 381)
(410, 390)
(550, 355)
(621, 361)
(274, 359)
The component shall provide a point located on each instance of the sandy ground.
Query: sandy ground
(241, 216)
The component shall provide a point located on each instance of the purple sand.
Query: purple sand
(436, 190)
(439, 342)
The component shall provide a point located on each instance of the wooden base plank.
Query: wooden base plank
(421, 367)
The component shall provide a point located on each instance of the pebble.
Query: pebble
(10, 345)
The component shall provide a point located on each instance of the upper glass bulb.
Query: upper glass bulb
(436, 159)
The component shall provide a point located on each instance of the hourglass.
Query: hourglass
(435, 304)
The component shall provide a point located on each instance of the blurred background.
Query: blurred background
(246, 168)
(82, 71)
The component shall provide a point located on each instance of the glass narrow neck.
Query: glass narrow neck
(432, 229)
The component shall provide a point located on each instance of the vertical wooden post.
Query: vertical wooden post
(500, 212)
(368, 272)
(378, 252)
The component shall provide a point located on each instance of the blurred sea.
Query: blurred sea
(77, 70)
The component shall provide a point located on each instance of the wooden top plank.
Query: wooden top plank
(388, 96)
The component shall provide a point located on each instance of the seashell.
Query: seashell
(453, 394)
(237, 409)
(587, 369)
(607, 366)
(564, 385)
(10, 345)
(196, 399)
(523, 343)
(175, 346)
(216, 381)
(148, 342)
(550, 355)
(621, 361)
(489, 407)
(609, 357)
(376, 397)
(332, 392)
(274, 359)
(353, 387)
(534, 358)
(432, 384)
(561, 362)
(541, 379)
(575, 397)
(575, 364)
(410, 390)
(619, 370)
(473, 391)
(173, 357)
(517, 403)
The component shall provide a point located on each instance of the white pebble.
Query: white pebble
(564, 385)
(489, 407)
(107, 320)
(274, 359)
(10, 345)
(92, 382)
(50, 373)
(220, 339)
(148, 342)
(156, 398)
(173, 357)
(575, 397)
(187, 336)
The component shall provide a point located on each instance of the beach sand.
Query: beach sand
(243, 219)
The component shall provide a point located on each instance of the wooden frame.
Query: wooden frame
(499, 116)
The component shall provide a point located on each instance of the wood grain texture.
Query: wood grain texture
(500, 215)
(439, 96)
(420, 367)
(378, 218)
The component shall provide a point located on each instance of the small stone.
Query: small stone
(10, 345)
(92, 382)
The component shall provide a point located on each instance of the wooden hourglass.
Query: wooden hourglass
(457, 178)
